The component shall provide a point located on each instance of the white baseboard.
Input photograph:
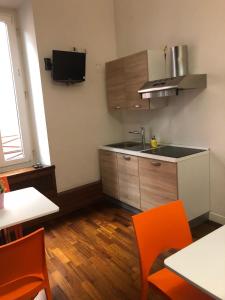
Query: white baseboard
(217, 218)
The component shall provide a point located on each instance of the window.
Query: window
(14, 136)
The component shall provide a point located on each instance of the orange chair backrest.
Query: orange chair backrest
(158, 230)
(5, 183)
(23, 257)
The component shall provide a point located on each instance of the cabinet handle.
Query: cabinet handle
(156, 164)
(117, 107)
(137, 105)
(126, 157)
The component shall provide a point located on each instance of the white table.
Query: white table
(25, 205)
(203, 263)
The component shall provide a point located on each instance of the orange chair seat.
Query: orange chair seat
(27, 285)
(175, 287)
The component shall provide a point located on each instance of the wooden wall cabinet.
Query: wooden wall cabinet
(136, 74)
(115, 85)
(125, 76)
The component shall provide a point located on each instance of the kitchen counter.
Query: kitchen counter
(159, 157)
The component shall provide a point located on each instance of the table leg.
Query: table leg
(17, 230)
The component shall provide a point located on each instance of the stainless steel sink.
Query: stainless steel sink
(133, 146)
(123, 145)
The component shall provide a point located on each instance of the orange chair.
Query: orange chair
(17, 229)
(5, 183)
(157, 230)
(23, 268)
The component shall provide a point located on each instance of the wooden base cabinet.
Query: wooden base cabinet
(109, 173)
(158, 182)
(187, 180)
(120, 177)
(128, 179)
(145, 183)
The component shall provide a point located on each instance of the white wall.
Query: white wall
(196, 118)
(77, 117)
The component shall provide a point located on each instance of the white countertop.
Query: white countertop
(158, 157)
(203, 263)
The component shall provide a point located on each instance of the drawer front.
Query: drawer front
(158, 182)
(109, 176)
(127, 164)
(107, 156)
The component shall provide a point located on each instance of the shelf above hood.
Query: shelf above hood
(171, 86)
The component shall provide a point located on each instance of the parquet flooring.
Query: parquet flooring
(92, 255)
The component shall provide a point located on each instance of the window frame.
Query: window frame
(21, 101)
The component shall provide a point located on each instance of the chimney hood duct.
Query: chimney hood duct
(180, 79)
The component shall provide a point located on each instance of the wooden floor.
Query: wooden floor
(92, 255)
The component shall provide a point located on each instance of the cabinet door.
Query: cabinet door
(108, 168)
(158, 182)
(136, 74)
(115, 85)
(128, 180)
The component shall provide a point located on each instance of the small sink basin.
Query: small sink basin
(133, 146)
(124, 145)
(140, 147)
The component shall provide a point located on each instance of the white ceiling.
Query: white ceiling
(10, 3)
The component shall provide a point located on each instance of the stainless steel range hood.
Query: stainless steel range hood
(172, 86)
(179, 80)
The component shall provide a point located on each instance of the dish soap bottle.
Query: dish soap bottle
(153, 142)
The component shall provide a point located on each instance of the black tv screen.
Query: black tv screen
(68, 66)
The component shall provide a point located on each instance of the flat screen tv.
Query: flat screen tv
(68, 67)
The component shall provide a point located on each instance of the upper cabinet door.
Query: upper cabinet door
(124, 77)
(115, 85)
(136, 74)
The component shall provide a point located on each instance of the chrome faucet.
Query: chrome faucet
(142, 133)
